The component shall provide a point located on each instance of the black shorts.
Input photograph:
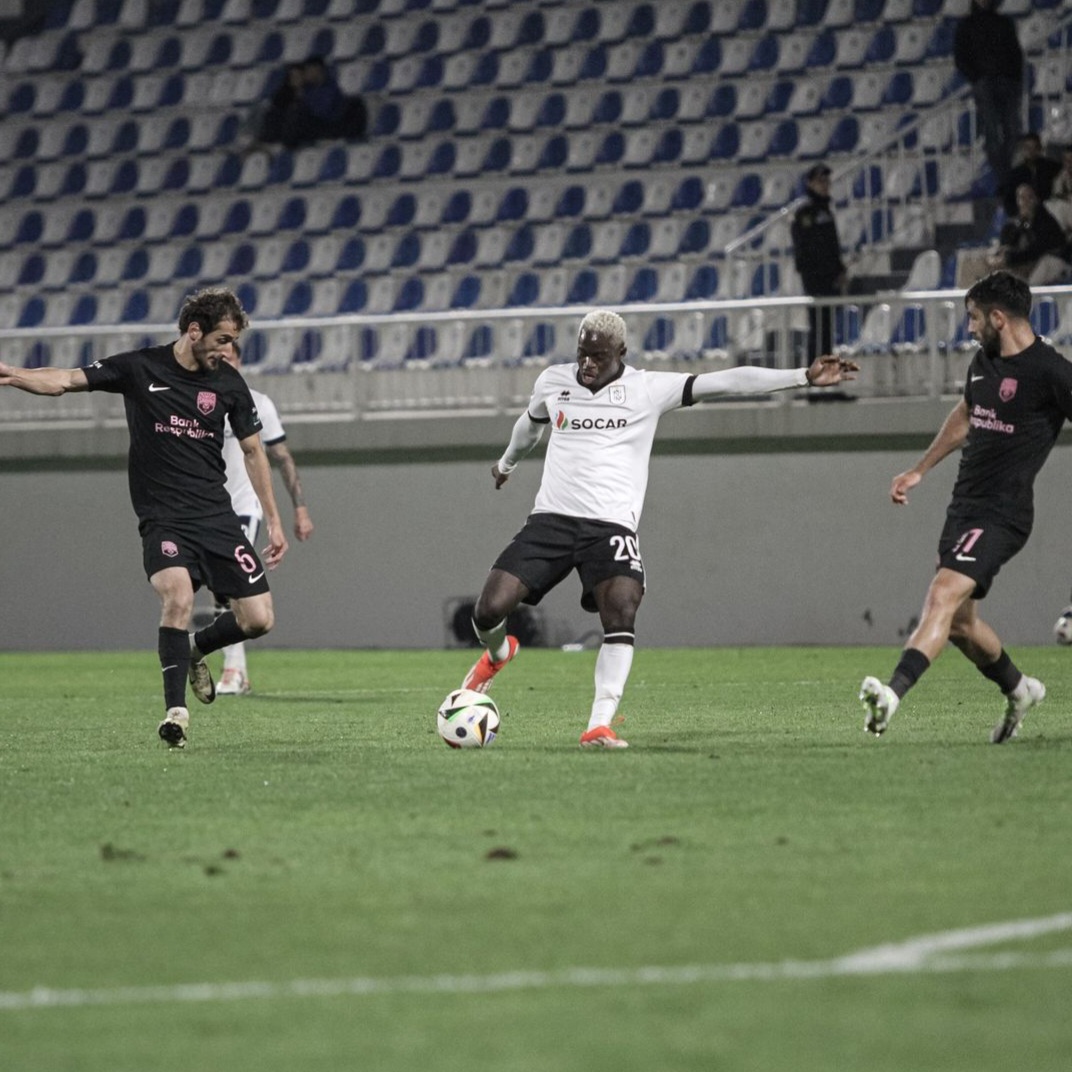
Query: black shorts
(215, 551)
(978, 548)
(550, 545)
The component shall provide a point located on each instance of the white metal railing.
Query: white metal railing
(909, 344)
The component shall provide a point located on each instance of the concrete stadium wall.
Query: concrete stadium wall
(776, 548)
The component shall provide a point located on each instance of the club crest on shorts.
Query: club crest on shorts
(206, 402)
(1007, 389)
(170, 548)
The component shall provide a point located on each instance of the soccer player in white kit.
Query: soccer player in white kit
(603, 416)
(234, 680)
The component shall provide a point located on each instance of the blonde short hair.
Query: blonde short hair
(606, 323)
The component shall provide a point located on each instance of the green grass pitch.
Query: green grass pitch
(317, 882)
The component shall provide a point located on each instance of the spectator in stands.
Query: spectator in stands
(1035, 170)
(817, 255)
(234, 680)
(1060, 201)
(309, 106)
(987, 52)
(1033, 246)
(268, 121)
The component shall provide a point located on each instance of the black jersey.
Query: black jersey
(1016, 407)
(176, 420)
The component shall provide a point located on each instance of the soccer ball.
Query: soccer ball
(468, 719)
(1062, 629)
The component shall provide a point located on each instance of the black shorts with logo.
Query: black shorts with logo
(215, 551)
(550, 546)
(978, 547)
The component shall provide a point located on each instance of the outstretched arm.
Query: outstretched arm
(43, 381)
(823, 372)
(525, 435)
(951, 436)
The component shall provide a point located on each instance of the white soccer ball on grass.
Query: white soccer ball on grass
(468, 719)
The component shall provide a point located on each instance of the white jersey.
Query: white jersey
(243, 498)
(597, 458)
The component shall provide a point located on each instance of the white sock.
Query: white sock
(494, 639)
(234, 657)
(613, 664)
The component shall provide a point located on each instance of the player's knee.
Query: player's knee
(256, 621)
(489, 611)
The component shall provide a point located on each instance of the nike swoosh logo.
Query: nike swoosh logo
(965, 558)
(974, 378)
(256, 578)
(157, 387)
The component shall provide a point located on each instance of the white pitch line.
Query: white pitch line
(929, 953)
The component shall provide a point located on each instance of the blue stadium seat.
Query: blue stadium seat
(882, 46)
(583, 287)
(594, 65)
(540, 342)
(443, 158)
(84, 269)
(466, 293)
(410, 295)
(578, 243)
(669, 147)
(84, 310)
(32, 271)
(611, 149)
(900, 89)
(637, 240)
(347, 213)
(659, 338)
(136, 307)
(407, 252)
(785, 138)
(354, 297)
(297, 257)
(629, 198)
(651, 61)
(189, 264)
(703, 285)
(351, 255)
(32, 313)
(401, 211)
(514, 205)
(463, 248)
(643, 286)
(521, 245)
(723, 101)
(689, 195)
(696, 238)
(243, 260)
(727, 142)
(708, 59)
(186, 220)
(571, 202)
(823, 50)
(525, 290)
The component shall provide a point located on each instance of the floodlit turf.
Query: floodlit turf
(319, 883)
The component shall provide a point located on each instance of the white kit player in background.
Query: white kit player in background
(603, 415)
(234, 680)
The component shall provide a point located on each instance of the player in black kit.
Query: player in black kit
(177, 398)
(1017, 396)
